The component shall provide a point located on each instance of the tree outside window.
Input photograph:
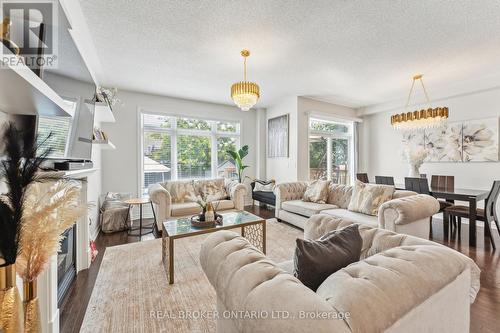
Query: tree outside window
(329, 151)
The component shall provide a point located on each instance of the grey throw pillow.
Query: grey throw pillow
(315, 260)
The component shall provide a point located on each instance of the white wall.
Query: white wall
(284, 169)
(121, 166)
(260, 130)
(381, 149)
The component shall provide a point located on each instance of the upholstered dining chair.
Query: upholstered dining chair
(487, 215)
(383, 180)
(421, 186)
(362, 177)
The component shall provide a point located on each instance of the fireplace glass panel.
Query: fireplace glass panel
(66, 262)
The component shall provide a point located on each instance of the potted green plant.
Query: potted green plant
(238, 156)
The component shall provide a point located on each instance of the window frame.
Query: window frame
(173, 131)
(330, 135)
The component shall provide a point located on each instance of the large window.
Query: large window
(185, 148)
(330, 151)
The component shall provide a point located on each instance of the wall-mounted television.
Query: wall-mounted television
(68, 137)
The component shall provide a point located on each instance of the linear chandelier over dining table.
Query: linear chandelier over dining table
(419, 119)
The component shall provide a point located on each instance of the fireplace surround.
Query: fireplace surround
(48, 285)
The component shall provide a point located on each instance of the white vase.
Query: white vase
(414, 172)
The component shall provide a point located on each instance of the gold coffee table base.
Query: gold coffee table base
(253, 228)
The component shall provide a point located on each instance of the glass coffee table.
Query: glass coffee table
(252, 227)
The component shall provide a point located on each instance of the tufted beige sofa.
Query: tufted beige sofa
(407, 212)
(165, 208)
(401, 284)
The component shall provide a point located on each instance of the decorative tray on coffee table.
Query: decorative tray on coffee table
(196, 222)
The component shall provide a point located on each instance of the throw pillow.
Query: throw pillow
(339, 195)
(317, 191)
(315, 260)
(263, 188)
(367, 198)
(212, 189)
(180, 191)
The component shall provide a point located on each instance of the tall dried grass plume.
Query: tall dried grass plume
(49, 209)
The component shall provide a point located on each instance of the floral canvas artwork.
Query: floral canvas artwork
(413, 139)
(467, 141)
(444, 144)
(480, 140)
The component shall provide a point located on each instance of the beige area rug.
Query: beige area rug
(131, 293)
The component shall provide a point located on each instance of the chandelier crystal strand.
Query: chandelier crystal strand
(420, 119)
(245, 94)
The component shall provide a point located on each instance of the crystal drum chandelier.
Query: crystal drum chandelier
(245, 94)
(419, 119)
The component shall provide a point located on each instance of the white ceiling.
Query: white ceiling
(354, 53)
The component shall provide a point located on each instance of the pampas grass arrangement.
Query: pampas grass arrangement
(49, 209)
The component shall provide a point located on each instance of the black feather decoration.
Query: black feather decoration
(19, 170)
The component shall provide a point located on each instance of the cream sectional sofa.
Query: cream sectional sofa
(174, 198)
(401, 284)
(407, 212)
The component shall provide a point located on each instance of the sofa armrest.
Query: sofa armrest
(162, 201)
(406, 210)
(288, 191)
(245, 280)
(237, 192)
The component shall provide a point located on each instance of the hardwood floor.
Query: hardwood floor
(485, 313)
(74, 305)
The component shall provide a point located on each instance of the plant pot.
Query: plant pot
(31, 308)
(11, 310)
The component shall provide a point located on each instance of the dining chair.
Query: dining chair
(447, 183)
(423, 175)
(443, 182)
(487, 215)
(421, 186)
(383, 180)
(362, 177)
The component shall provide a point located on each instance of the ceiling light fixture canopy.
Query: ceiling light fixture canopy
(245, 94)
(419, 119)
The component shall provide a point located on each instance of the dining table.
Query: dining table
(471, 196)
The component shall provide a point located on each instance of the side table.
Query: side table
(140, 202)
